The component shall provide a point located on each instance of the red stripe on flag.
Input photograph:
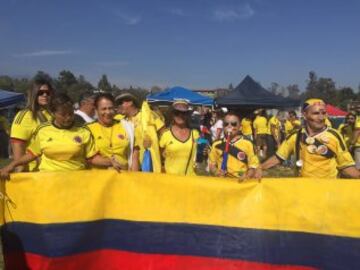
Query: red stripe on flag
(122, 260)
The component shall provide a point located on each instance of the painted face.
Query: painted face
(64, 117)
(315, 117)
(105, 111)
(43, 95)
(231, 125)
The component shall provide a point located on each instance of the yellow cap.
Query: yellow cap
(311, 102)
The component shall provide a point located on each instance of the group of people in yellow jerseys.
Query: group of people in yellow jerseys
(46, 137)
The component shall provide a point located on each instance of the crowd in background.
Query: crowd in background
(49, 134)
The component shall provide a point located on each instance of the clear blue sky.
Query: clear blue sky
(193, 43)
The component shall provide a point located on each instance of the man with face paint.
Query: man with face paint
(320, 151)
(242, 161)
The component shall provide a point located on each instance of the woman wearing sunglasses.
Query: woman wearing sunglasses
(178, 143)
(61, 145)
(233, 156)
(26, 121)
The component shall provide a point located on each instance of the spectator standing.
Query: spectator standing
(86, 112)
(320, 151)
(27, 120)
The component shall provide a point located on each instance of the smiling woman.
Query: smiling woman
(61, 145)
(113, 138)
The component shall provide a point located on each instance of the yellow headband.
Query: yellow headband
(311, 102)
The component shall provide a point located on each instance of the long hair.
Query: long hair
(32, 96)
(172, 114)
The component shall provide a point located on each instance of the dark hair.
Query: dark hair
(350, 114)
(101, 96)
(293, 113)
(32, 97)
(61, 101)
(232, 113)
(86, 95)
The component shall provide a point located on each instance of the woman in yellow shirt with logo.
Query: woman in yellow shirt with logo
(61, 145)
(114, 138)
(178, 144)
(26, 121)
(241, 160)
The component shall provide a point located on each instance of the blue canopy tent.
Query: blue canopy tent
(8, 98)
(177, 93)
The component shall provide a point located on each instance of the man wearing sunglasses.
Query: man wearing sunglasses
(320, 151)
(241, 161)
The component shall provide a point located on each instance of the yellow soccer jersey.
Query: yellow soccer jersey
(246, 127)
(119, 116)
(275, 123)
(288, 127)
(152, 133)
(24, 125)
(179, 156)
(241, 156)
(260, 125)
(23, 128)
(347, 132)
(111, 141)
(357, 126)
(62, 149)
(321, 155)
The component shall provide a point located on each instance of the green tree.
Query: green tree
(344, 97)
(6, 83)
(66, 79)
(323, 88)
(274, 88)
(41, 75)
(294, 91)
(104, 84)
(21, 85)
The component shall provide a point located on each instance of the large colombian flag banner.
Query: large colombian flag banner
(104, 220)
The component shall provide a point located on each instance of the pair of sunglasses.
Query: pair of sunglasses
(42, 92)
(180, 112)
(234, 124)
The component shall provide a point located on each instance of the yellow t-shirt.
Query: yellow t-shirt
(24, 125)
(315, 153)
(347, 133)
(23, 128)
(357, 126)
(275, 123)
(62, 149)
(246, 127)
(260, 125)
(111, 141)
(239, 161)
(179, 156)
(119, 116)
(152, 129)
(288, 127)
